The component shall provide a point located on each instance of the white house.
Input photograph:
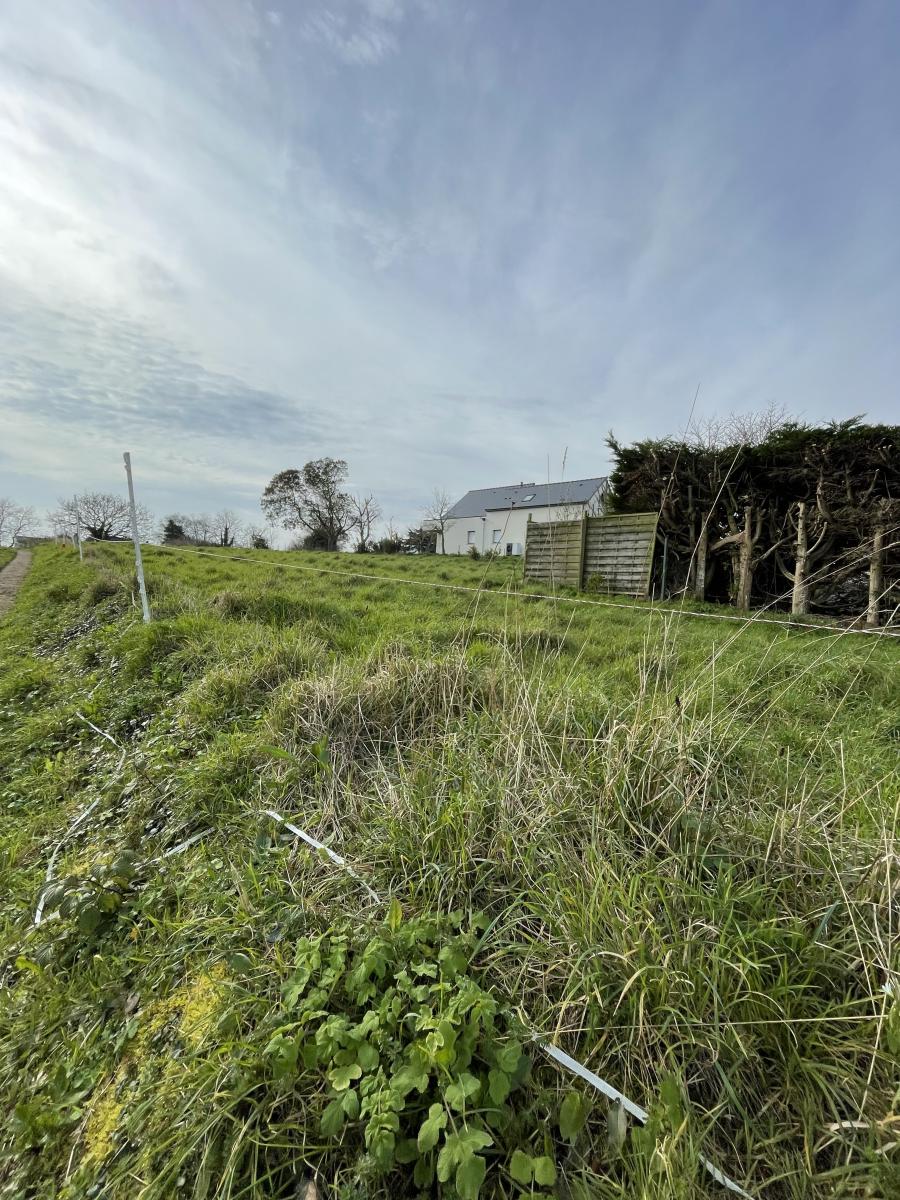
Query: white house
(495, 520)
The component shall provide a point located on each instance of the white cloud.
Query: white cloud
(440, 243)
(358, 33)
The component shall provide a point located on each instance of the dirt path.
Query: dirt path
(10, 578)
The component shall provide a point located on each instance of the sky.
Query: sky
(453, 243)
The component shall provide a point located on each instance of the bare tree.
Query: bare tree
(16, 520)
(198, 527)
(201, 529)
(225, 527)
(255, 538)
(737, 429)
(366, 512)
(103, 516)
(438, 512)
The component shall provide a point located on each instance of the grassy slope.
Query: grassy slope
(6, 556)
(681, 835)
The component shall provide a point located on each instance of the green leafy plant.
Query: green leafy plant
(572, 1116)
(91, 900)
(58, 1107)
(417, 1060)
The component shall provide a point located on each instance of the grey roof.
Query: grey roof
(526, 495)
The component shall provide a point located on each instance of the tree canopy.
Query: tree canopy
(312, 498)
(796, 517)
(173, 532)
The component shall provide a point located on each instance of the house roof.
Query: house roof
(526, 495)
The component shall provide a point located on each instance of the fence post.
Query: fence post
(583, 552)
(876, 577)
(78, 529)
(135, 537)
(665, 565)
(701, 551)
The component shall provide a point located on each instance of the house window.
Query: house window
(496, 536)
(470, 537)
(525, 499)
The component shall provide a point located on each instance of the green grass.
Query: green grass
(6, 556)
(666, 844)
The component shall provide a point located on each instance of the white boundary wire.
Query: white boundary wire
(786, 624)
(317, 845)
(48, 878)
(635, 1110)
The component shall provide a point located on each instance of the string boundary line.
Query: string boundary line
(787, 625)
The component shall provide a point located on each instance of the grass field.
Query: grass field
(667, 845)
(6, 556)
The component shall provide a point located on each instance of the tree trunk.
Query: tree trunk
(745, 563)
(700, 564)
(800, 594)
(876, 578)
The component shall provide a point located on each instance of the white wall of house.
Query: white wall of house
(501, 527)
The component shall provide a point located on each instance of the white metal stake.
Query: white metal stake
(138, 561)
(78, 529)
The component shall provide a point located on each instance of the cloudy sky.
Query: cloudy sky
(452, 242)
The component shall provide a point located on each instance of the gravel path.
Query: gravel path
(10, 578)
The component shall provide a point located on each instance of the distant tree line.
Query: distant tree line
(106, 517)
(774, 512)
(223, 528)
(312, 500)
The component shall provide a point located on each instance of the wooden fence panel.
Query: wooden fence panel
(554, 552)
(614, 552)
(618, 554)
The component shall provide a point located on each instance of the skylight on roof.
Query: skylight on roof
(530, 496)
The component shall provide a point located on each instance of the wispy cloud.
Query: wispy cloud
(357, 33)
(442, 240)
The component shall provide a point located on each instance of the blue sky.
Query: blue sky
(454, 243)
